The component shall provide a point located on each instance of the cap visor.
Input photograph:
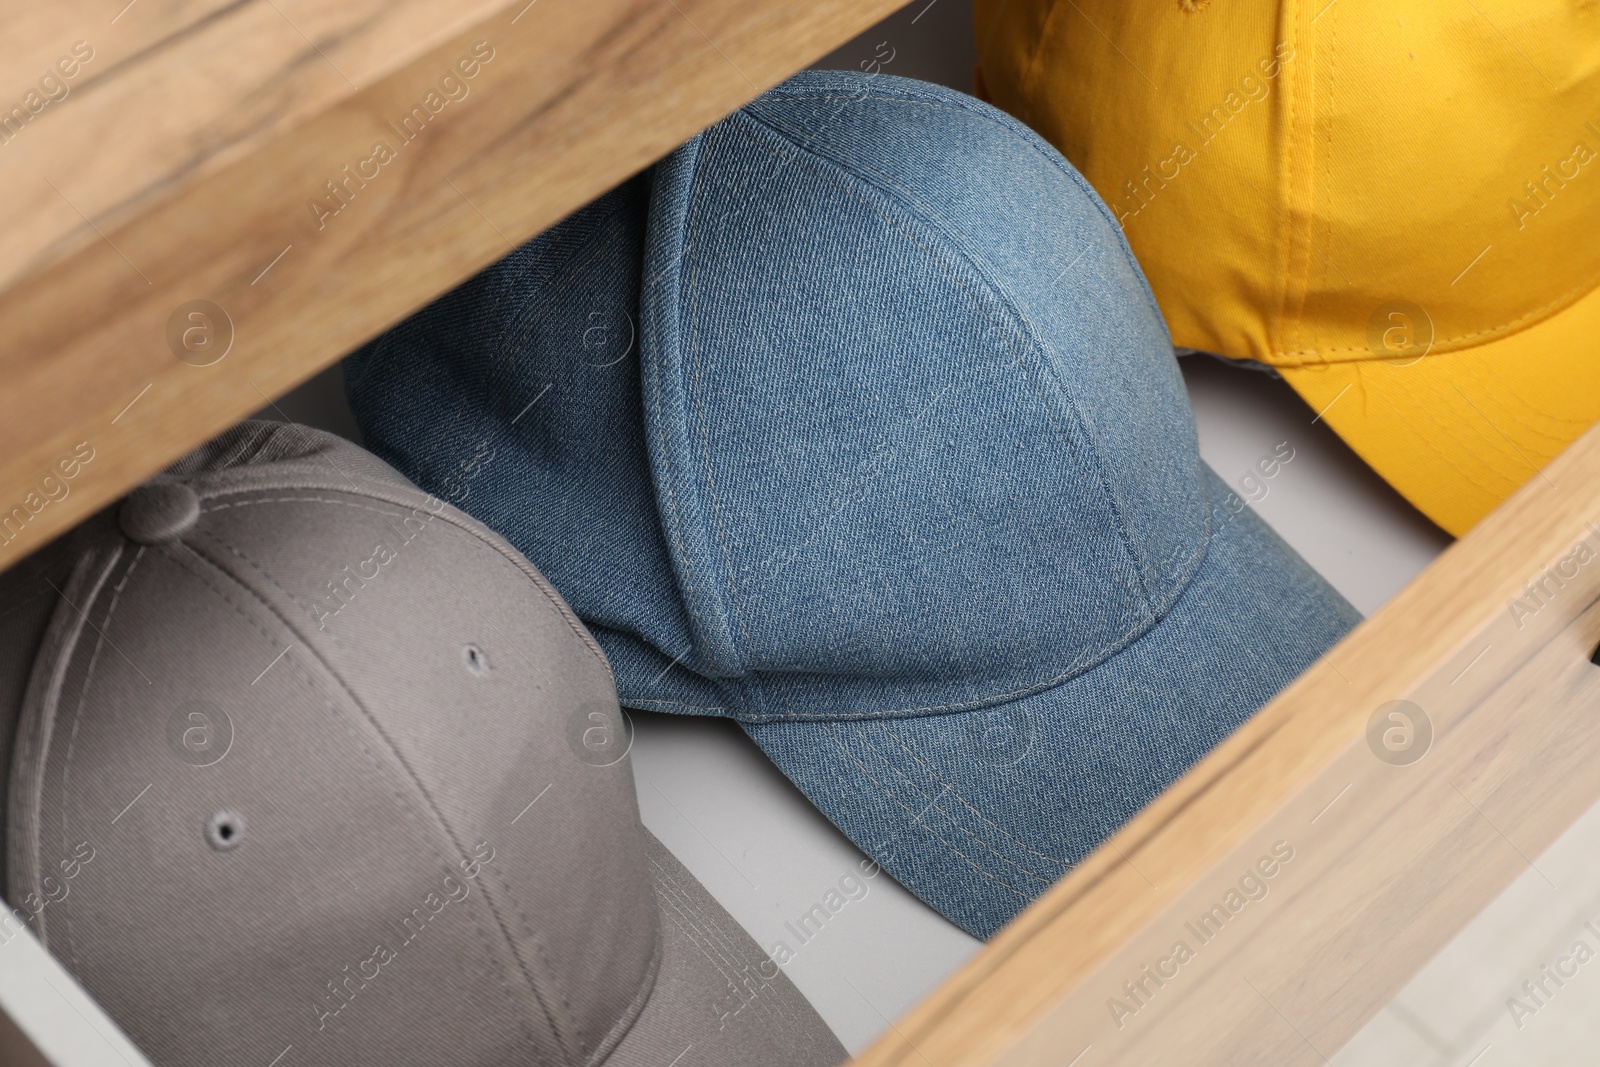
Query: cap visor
(979, 812)
(1458, 432)
(718, 1000)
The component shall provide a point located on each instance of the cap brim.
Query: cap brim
(979, 812)
(1458, 432)
(718, 999)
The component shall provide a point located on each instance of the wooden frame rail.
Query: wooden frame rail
(203, 202)
(1273, 900)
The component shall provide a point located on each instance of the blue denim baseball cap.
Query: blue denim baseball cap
(853, 420)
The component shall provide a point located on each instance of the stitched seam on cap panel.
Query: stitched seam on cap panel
(567, 1014)
(1504, 331)
(904, 90)
(39, 715)
(1331, 76)
(1154, 612)
(263, 572)
(956, 793)
(1303, 207)
(1288, 314)
(77, 716)
(650, 704)
(667, 493)
(635, 1008)
(933, 800)
(382, 773)
(514, 558)
(35, 724)
(441, 823)
(1529, 319)
(916, 820)
(973, 255)
(1028, 137)
(691, 221)
(331, 635)
(1005, 299)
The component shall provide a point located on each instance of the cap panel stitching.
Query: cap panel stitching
(432, 807)
(665, 475)
(108, 567)
(1325, 119)
(972, 258)
(691, 223)
(957, 794)
(36, 725)
(955, 276)
(366, 750)
(828, 728)
(1440, 347)
(1294, 281)
(933, 800)
(635, 1009)
(331, 635)
(219, 504)
(992, 117)
(906, 91)
(626, 1019)
(1155, 612)
(1504, 331)
(650, 704)
(567, 1014)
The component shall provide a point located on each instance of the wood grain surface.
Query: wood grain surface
(312, 173)
(1375, 862)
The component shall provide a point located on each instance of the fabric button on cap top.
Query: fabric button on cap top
(160, 511)
(902, 477)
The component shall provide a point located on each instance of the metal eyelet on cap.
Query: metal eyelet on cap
(225, 831)
(476, 659)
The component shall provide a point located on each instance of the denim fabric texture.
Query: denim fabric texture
(854, 420)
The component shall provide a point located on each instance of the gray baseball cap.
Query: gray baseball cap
(306, 766)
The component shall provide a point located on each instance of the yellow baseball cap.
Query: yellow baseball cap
(1397, 206)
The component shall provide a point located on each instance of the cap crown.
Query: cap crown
(919, 440)
(279, 776)
(1307, 183)
(905, 433)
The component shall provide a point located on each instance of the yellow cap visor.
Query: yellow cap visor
(1458, 432)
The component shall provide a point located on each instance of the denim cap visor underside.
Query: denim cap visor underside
(891, 462)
